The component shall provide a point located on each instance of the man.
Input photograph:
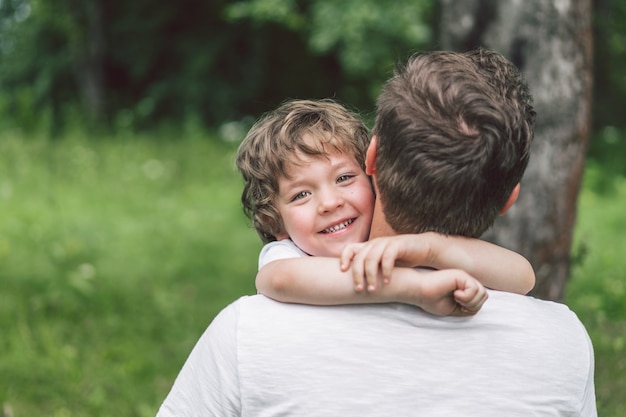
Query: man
(451, 142)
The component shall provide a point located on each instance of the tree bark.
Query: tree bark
(88, 51)
(551, 43)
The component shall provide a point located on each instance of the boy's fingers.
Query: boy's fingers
(471, 299)
(357, 275)
(371, 274)
(388, 262)
(347, 255)
(387, 269)
(372, 264)
(470, 295)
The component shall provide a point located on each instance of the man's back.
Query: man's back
(517, 356)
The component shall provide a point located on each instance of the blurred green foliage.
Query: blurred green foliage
(367, 36)
(606, 155)
(609, 31)
(147, 62)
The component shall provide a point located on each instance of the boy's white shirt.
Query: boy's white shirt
(281, 249)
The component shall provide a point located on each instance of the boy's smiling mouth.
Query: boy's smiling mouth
(339, 226)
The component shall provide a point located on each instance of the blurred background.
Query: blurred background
(121, 231)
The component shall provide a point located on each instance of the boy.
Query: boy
(307, 194)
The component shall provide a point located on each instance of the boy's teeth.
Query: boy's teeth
(338, 226)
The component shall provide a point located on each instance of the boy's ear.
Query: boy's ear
(511, 200)
(370, 157)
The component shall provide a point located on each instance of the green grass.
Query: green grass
(115, 255)
(597, 289)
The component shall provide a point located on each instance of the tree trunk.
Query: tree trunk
(88, 57)
(551, 43)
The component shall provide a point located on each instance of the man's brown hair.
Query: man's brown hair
(454, 132)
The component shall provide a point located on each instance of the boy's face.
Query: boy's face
(325, 204)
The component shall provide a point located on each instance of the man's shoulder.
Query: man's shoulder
(502, 298)
(259, 311)
(528, 309)
(255, 305)
(497, 300)
(504, 311)
(251, 301)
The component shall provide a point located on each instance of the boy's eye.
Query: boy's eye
(344, 178)
(300, 195)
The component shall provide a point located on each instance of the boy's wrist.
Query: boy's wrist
(405, 286)
(433, 244)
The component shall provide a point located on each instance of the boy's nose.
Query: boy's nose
(329, 201)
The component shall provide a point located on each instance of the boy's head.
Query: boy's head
(453, 133)
(277, 142)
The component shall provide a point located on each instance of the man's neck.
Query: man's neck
(380, 227)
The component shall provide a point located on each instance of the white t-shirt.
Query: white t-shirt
(282, 249)
(518, 356)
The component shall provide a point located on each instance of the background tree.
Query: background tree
(366, 37)
(551, 43)
(608, 144)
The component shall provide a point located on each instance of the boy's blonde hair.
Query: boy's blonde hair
(274, 143)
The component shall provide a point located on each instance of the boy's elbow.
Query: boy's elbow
(272, 282)
(529, 283)
(529, 287)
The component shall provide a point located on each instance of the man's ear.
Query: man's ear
(512, 198)
(370, 157)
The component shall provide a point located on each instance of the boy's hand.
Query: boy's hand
(450, 292)
(375, 259)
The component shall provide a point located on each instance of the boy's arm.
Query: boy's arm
(319, 281)
(496, 267)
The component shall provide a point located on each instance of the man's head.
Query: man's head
(451, 142)
(281, 141)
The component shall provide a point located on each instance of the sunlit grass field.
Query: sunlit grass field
(597, 289)
(116, 253)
